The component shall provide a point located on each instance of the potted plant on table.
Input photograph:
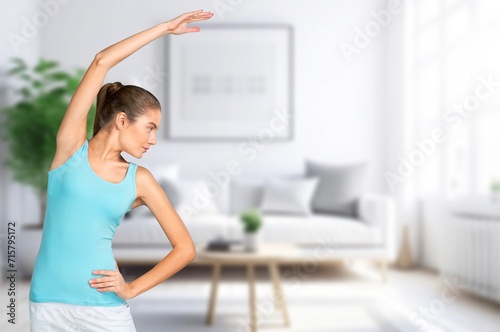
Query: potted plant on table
(495, 191)
(252, 221)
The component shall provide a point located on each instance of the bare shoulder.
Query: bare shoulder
(143, 174)
(145, 181)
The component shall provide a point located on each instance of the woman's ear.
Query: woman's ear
(121, 120)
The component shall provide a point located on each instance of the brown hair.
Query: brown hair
(114, 98)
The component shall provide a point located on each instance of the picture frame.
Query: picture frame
(230, 82)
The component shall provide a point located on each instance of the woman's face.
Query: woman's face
(141, 134)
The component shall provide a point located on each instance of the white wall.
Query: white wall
(335, 103)
(339, 106)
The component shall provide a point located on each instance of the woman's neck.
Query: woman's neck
(104, 147)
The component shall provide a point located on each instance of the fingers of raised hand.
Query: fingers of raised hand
(198, 18)
(179, 23)
(195, 19)
(193, 29)
(198, 13)
(193, 12)
(190, 15)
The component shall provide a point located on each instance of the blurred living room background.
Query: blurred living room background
(363, 131)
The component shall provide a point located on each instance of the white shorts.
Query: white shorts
(55, 316)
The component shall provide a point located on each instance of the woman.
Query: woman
(76, 284)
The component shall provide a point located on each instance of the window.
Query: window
(456, 43)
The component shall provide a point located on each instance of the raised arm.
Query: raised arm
(72, 131)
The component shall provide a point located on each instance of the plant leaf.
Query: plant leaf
(37, 84)
(44, 65)
(16, 70)
(25, 77)
(60, 76)
(19, 61)
(25, 92)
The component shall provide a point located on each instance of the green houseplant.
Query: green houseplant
(30, 125)
(495, 190)
(252, 221)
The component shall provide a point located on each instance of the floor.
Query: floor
(348, 298)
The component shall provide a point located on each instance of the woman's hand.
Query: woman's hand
(178, 25)
(113, 282)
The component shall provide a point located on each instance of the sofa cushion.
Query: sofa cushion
(191, 195)
(245, 194)
(339, 187)
(165, 170)
(288, 195)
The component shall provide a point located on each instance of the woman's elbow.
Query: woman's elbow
(192, 253)
(99, 60)
(187, 251)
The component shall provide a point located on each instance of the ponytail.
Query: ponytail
(114, 98)
(104, 96)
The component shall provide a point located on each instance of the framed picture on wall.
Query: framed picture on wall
(230, 82)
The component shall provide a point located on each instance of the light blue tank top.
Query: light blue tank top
(83, 211)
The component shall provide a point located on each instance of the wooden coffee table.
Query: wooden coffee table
(269, 254)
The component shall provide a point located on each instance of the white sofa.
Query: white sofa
(369, 235)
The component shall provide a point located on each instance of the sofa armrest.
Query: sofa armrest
(379, 211)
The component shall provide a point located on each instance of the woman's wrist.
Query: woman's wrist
(131, 291)
(165, 28)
